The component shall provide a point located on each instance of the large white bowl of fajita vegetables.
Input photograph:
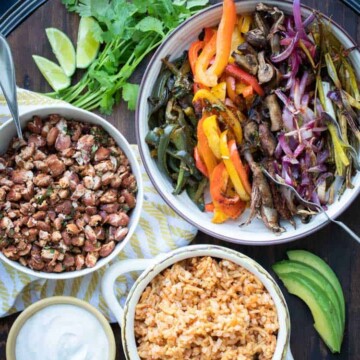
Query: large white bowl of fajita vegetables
(245, 87)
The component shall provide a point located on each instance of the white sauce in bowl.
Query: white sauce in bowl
(62, 332)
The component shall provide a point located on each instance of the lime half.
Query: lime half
(87, 45)
(53, 73)
(63, 49)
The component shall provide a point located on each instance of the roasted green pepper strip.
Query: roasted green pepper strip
(163, 145)
(181, 179)
(196, 193)
(153, 137)
(188, 160)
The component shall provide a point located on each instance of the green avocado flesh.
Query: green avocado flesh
(322, 267)
(291, 267)
(321, 307)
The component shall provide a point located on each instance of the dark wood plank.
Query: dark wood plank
(330, 243)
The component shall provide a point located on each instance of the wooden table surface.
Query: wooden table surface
(331, 243)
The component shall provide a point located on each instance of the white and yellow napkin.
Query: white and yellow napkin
(159, 230)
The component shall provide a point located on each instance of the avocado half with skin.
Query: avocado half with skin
(311, 279)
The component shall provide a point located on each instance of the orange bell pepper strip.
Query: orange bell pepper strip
(240, 74)
(231, 206)
(197, 87)
(203, 61)
(204, 149)
(223, 42)
(209, 207)
(230, 167)
(240, 168)
(248, 91)
(229, 117)
(230, 88)
(209, 32)
(193, 53)
(199, 163)
(212, 132)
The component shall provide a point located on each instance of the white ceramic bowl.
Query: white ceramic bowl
(256, 233)
(57, 300)
(8, 131)
(152, 267)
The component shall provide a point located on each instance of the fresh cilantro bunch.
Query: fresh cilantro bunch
(128, 31)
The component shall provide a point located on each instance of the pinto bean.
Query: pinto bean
(56, 166)
(62, 142)
(102, 154)
(107, 249)
(42, 180)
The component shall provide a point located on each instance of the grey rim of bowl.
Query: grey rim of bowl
(158, 188)
(190, 249)
(139, 202)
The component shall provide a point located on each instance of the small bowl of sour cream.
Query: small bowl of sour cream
(61, 328)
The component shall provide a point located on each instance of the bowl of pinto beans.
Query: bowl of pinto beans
(70, 193)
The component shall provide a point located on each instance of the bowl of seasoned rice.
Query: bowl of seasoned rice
(200, 302)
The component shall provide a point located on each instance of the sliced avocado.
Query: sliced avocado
(322, 267)
(306, 271)
(320, 306)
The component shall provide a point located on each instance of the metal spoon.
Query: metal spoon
(312, 204)
(8, 83)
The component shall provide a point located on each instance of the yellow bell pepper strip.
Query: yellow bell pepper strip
(199, 163)
(231, 206)
(230, 167)
(240, 74)
(212, 132)
(203, 62)
(230, 88)
(219, 216)
(229, 117)
(244, 25)
(193, 53)
(219, 91)
(236, 40)
(204, 149)
(240, 168)
(223, 42)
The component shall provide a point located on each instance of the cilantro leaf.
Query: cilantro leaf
(196, 3)
(130, 94)
(150, 24)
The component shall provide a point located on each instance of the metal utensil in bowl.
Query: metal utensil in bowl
(312, 205)
(8, 82)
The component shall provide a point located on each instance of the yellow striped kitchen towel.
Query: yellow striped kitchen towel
(159, 225)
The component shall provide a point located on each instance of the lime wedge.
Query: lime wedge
(63, 49)
(53, 73)
(87, 45)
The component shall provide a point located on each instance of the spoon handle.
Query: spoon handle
(8, 82)
(347, 229)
